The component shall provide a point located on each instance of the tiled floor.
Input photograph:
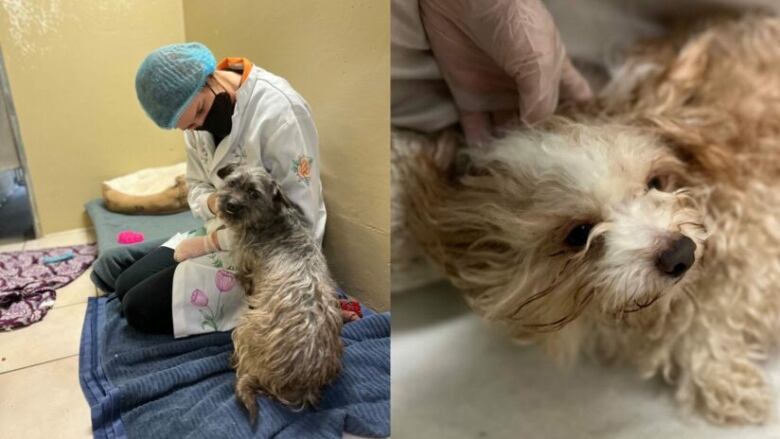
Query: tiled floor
(40, 395)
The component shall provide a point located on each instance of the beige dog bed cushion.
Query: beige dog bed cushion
(148, 191)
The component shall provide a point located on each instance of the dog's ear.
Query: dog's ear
(226, 170)
(282, 204)
(701, 142)
(278, 196)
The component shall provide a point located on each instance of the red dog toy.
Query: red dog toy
(351, 305)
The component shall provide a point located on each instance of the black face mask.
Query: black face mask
(219, 120)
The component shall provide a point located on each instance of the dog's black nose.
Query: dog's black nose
(232, 207)
(677, 258)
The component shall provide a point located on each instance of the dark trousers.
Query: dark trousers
(145, 289)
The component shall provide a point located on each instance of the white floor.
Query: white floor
(40, 395)
(456, 377)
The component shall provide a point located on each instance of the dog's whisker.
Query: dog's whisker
(692, 223)
(556, 282)
(640, 306)
(532, 299)
(558, 324)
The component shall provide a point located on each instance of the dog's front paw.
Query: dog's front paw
(733, 393)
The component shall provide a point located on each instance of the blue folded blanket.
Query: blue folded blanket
(145, 386)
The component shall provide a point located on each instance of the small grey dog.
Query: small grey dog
(287, 345)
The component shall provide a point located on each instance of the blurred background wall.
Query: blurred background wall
(71, 66)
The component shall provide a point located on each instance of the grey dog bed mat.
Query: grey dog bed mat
(108, 224)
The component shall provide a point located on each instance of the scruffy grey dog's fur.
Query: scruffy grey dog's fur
(287, 345)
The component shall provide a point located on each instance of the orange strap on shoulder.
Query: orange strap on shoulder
(236, 63)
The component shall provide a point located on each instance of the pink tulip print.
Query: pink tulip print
(199, 298)
(210, 316)
(225, 281)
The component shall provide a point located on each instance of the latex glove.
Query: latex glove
(193, 247)
(503, 61)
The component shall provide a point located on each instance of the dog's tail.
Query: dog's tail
(247, 388)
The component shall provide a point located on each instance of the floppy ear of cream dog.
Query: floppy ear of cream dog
(644, 228)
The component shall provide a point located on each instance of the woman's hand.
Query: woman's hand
(193, 247)
(503, 61)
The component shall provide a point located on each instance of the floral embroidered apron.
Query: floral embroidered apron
(206, 294)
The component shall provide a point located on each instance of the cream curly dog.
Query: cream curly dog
(644, 229)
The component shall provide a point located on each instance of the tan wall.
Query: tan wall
(71, 66)
(336, 53)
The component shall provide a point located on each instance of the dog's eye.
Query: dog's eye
(254, 194)
(578, 236)
(656, 183)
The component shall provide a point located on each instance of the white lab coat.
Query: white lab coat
(272, 127)
(420, 99)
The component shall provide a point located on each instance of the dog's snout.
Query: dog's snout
(677, 258)
(232, 206)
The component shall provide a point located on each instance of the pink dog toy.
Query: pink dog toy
(129, 237)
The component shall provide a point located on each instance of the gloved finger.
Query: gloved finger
(503, 119)
(477, 127)
(519, 35)
(523, 40)
(573, 85)
(476, 81)
(537, 106)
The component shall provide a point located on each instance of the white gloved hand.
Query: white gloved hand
(503, 61)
